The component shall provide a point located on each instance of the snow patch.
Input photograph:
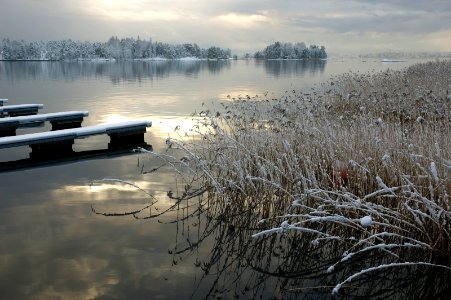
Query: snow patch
(379, 122)
(366, 221)
(434, 172)
(386, 160)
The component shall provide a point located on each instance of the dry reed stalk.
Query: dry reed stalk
(388, 134)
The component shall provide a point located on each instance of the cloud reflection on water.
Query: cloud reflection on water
(54, 245)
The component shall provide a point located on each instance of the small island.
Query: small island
(280, 50)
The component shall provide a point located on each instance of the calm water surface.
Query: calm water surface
(52, 244)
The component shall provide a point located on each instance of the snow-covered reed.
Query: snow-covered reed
(364, 162)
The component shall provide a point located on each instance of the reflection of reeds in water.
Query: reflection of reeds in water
(344, 189)
(285, 266)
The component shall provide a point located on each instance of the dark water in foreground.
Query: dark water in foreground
(52, 244)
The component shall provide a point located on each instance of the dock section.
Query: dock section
(20, 110)
(60, 142)
(60, 120)
(55, 146)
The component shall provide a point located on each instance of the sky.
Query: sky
(342, 26)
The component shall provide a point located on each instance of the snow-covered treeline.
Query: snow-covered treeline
(280, 50)
(114, 48)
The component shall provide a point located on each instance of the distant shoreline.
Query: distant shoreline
(161, 59)
(116, 60)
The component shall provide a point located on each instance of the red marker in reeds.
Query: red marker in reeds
(339, 173)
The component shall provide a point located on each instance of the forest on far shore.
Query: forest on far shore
(114, 48)
(131, 48)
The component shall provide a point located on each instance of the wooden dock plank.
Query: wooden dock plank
(47, 117)
(60, 120)
(20, 109)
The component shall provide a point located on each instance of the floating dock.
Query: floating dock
(60, 120)
(66, 128)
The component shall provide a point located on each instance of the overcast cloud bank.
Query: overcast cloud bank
(245, 26)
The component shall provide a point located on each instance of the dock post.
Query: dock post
(120, 140)
(59, 125)
(52, 149)
(9, 130)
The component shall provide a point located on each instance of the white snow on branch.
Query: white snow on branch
(434, 172)
(366, 221)
(337, 288)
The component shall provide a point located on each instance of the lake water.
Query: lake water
(53, 245)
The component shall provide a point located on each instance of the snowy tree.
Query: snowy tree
(13, 49)
(323, 53)
(299, 50)
(192, 50)
(114, 47)
(164, 50)
(100, 50)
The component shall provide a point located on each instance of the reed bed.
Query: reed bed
(362, 162)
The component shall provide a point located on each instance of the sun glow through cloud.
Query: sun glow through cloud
(130, 11)
(241, 20)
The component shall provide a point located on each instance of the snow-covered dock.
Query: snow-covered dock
(66, 128)
(60, 120)
(20, 110)
(60, 141)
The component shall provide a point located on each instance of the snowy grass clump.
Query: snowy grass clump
(364, 162)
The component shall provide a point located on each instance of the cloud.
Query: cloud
(367, 16)
(406, 5)
(242, 20)
(435, 40)
(130, 11)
